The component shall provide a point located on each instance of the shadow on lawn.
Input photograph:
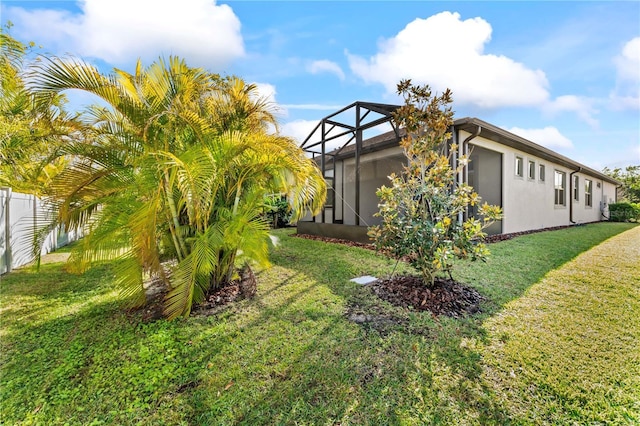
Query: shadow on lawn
(289, 355)
(517, 264)
(50, 288)
(347, 374)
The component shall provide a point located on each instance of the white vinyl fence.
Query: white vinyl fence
(20, 215)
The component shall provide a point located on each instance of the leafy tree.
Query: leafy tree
(630, 178)
(176, 168)
(420, 208)
(32, 126)
(277, 210)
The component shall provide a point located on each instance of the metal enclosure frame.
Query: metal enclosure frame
(331, 128)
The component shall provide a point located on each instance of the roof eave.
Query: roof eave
(491, 132)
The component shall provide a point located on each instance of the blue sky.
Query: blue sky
(562, 74)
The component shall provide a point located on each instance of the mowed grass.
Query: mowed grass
(568, 351)
(70, 353)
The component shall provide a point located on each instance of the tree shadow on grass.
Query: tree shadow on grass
(517, 264)
(336, 371)
(450, 348)
(289, 355)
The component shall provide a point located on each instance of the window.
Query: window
(576, 188)
(588, 188)
(519, 167)
(532, 170)
(331, 193)
(560, 186)
(541, 172)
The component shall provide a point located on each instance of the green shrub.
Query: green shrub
(420, 208)
(277, 211)
(624, 212)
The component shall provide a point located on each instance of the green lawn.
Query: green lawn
(557, 347)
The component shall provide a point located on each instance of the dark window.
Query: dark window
(532, 170)
(560, 187)
(331, 193)
(519, 166)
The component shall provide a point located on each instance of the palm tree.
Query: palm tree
(176, 168)
(31, 126)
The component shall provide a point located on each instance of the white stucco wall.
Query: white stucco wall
(529, 203)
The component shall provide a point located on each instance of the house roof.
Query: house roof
(487, 130)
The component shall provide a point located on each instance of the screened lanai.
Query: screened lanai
(338, 144)
(357, 148)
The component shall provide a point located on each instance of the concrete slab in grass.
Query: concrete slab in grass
(364, 280)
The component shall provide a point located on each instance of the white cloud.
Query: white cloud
(549, 137)
(266, 91)
(626, 94)
(583, 107)
(619, 102)
(298, 129)
(324, 65)
(628, 63)
(119, 31)
(445, 51)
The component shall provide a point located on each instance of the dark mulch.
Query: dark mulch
(488, 239)
(504, 237)
(445, 297)
(155, 291)
(335, 241)
(216, 301)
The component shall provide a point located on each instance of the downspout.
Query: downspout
(571, 195)
(463, 175)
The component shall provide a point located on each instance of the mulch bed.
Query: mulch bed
(335, 241)
(243, 288)
(215, 302)
(489, 239)
(504, 237)
(445, 297)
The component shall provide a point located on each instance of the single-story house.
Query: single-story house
(536, 187)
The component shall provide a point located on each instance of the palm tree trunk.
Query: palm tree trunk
(181, 248)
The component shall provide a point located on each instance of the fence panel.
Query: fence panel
(4, 230)
(20, 216)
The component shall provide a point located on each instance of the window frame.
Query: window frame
(331, 192)
(588, 193)
(519, 166)
(560, 190)
(541, 172)
(576, 188)
(531, 172)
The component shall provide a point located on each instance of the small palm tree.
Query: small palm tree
(176, 168)
(31, 126)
